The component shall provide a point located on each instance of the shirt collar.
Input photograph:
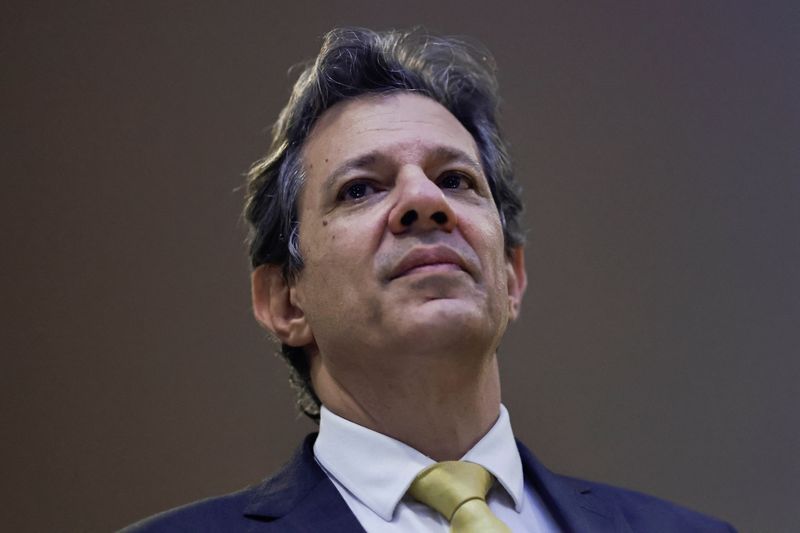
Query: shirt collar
(350, 453)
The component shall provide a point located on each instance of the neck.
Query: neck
(434, 406)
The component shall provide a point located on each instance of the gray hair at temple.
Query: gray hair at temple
(354, 62)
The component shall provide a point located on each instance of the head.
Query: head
(376, 70)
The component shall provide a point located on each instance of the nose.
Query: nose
(421, 204)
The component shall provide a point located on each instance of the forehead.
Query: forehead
(403, 126)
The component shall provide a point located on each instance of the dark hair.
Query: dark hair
(354, 62)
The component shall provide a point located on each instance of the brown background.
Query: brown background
(658, 346)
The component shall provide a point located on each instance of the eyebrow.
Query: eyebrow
(440, 153)
(363, 161)
(447, 154)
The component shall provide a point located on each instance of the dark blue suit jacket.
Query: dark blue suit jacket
(301, 498)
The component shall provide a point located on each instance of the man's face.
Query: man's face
(401, 240)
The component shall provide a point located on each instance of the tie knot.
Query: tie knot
(448, 485)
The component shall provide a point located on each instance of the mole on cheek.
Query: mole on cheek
(324, 222)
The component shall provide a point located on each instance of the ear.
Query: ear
(517, 280)
(275, 306)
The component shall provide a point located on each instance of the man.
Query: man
(388, 260)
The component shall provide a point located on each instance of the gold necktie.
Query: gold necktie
(457, 489)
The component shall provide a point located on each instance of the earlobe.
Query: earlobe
(517, 280)
(275, 306)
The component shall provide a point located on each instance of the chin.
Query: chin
(451, 321)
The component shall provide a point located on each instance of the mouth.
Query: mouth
(429, 260)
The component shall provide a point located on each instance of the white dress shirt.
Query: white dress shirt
(372, 472)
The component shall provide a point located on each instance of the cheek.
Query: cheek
(337, 287)
(332, 248)
(337, 260)
(489, 244)
(488, 239)
(347, 238)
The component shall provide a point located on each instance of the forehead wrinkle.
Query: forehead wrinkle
(381, 127)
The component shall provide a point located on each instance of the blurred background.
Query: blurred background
(658, 346)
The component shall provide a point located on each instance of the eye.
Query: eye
(454, 180)
(356, 191)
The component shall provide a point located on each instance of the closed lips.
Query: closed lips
(423, 257)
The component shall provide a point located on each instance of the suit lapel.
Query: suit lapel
(300, 497)
(573, 504)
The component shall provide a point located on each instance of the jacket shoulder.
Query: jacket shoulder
(215, 514)
(643, 512)
(255, 508)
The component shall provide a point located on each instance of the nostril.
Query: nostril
(439, 217)
(409, 218)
